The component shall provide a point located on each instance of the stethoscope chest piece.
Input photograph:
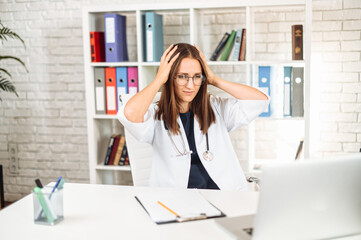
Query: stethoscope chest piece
(208, 156)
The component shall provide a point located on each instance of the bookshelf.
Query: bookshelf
(268, 43)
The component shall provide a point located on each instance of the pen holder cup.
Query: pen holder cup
(48, 206)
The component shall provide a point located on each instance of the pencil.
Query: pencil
(170, 210)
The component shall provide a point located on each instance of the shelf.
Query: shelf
(268, 44)
(226, 63)
(280, 118)
(104, 116)
(150, 64)
(113, 168)
(114, 64)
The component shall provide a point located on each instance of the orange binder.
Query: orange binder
(111, 90)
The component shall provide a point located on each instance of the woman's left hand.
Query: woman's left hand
(211, 77)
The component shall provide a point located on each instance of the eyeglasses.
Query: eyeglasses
(182, 79)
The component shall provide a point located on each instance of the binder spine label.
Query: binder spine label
(150, 45)
(100, 98)
(111, 97)
(133, 90)
(110, 33)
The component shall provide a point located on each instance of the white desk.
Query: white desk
(112, 212)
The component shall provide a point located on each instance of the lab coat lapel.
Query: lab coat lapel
(182, 135)
(198, 137)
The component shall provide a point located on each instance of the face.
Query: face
(187, 93)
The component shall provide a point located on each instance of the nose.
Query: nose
(190, 83)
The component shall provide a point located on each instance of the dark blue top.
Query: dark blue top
(198, 176)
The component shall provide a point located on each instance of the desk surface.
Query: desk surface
(111, 212)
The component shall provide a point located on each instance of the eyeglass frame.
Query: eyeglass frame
(202, 76)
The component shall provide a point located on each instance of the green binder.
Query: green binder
(228, 47)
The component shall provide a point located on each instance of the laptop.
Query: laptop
(312, 199)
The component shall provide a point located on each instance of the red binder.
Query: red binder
(97, 47)
(111, 90)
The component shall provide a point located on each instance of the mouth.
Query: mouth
(188, 92)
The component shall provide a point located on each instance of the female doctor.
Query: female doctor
(188, 128)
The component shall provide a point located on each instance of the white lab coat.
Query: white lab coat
(170, 170)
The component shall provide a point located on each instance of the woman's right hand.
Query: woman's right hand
(166, 63)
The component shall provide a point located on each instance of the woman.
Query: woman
(188, 128)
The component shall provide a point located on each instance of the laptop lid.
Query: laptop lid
(310, 199)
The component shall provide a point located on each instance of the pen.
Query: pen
(55, 186)
(170, 210)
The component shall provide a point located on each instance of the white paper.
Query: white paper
(184, 203)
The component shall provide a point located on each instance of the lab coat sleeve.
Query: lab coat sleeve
(144, 131)
(236, 113)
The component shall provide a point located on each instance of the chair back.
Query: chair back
(140, 154)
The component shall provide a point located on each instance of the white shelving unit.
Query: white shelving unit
(196, 30)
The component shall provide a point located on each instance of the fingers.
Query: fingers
(170, 50)
(170, 54)
(174, 58)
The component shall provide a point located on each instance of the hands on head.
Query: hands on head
(169, 57)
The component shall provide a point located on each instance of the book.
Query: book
(154, 39)
(99, 90)
(297, 42)
(110, 90)
(115, 37)
(287, 72)
(124, 155)
(177, 206)
(297, 85)
(127, 159)
(237, 45)
(242, 52)
(109, 149)
(119, 150)
(97, 47)
(264, 83)
(228, 46)
(219, 47)
(114, 150)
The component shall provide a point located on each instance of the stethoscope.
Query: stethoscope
(207, 155)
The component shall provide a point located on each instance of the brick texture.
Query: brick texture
(48, 120)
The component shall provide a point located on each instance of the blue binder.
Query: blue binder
(154, 41)
(122, 83)
(115, 38)
(264, 83)
(287, 91)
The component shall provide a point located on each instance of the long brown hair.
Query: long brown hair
(169, 103)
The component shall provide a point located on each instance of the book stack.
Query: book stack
(232, 47)
(117, 153)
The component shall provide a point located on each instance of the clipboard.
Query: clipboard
(177, 206)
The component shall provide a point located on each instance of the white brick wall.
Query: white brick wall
(48, 121)
(340, 84)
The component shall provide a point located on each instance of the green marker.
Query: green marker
(45, 204)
